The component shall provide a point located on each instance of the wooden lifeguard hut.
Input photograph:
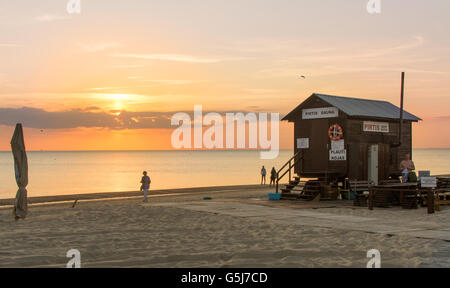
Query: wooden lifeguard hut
(340, 138)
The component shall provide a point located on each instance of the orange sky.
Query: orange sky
(149, 59)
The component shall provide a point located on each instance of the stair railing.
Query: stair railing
(289, 165)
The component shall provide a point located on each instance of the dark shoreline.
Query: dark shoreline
(124, 194)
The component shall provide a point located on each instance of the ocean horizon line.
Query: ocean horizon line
(193, 150)
(158, 150)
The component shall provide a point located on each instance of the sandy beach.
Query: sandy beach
(237, 228)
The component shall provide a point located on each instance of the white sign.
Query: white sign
(338, 145)
(302, 143)
(381, 127)
(317, 113)
(428, 182)
(338, 155)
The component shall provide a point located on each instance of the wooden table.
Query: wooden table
(400, 188)
(398, 185)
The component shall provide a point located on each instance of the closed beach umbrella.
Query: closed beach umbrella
(21, 171)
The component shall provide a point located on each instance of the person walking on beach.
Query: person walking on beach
(263, 175)
(407, 167)
(145, 181)
(273, 176)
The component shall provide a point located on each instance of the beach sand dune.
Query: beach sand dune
(169, 232)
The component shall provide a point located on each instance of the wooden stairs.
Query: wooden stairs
(301, 190)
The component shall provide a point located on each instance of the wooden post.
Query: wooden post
(370, 204)
(290, 166)
(430, 201)
(437, 204)
(276, 186)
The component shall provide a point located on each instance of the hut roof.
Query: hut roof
(357, 107)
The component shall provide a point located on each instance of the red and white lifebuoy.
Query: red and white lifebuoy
(335, 132)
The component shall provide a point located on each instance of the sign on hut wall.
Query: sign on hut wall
(381, 127)
(302, 143)
(338, 145)
(428, 182)
(338, 155)
(317, 113)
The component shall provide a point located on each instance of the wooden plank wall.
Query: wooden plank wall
(356, 142)
(389, 157)
(315, 160)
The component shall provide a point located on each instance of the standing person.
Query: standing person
(407, 167)
(273, 176)
(145, 181)
(263, 175)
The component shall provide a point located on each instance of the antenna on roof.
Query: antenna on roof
(400, 127)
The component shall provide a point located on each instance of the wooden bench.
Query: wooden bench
(359, 189)
(442, 193)
(389, 182)
(403, 194)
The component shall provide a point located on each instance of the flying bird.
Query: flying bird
(301, 76)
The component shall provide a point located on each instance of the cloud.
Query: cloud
(417, 42)
(3, 79)
(270, 45)
(441, 118)
(95, 47)
(354, 59)
(89, 109)
(126, 66)
(106, 88)
(262, 91)
(90, 117)
(9, 45)
(369, 54)
(171, 82)
(50, 17)
(170, 57)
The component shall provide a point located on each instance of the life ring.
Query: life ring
(335, 132)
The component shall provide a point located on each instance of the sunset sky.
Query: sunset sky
(111, 77)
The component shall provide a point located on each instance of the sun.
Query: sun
(117, 101)
(118, 107)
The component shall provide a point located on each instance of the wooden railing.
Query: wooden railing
(289, 165)
(431, 195)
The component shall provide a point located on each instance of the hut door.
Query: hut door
(373, 164)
